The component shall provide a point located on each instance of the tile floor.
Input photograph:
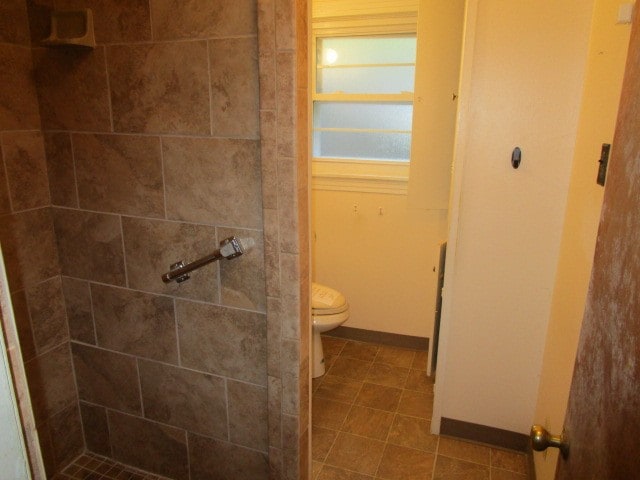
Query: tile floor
(371, 419)
(94, 467)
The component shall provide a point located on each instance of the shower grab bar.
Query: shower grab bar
(230, 247)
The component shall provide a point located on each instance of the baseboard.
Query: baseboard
(383, 338)
(494, 437)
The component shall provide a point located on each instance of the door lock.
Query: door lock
(541, 440)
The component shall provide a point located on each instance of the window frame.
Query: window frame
(347, 174)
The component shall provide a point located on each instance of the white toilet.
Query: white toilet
(329, 309)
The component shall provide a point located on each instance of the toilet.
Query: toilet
(329, 309)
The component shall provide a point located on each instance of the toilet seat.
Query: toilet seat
(327, 301)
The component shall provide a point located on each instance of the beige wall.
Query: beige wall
(605, 67)
(523, 80)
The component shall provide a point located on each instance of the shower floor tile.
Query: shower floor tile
(371, 419)
(94, 467)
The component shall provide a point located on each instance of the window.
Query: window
(363, 107)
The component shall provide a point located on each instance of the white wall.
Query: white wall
(523, 88)
(603, 83)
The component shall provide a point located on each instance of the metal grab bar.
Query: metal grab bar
(230, 247)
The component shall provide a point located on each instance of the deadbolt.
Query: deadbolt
(541, 440)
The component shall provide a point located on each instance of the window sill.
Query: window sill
(360, 176)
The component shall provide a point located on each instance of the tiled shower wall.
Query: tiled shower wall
(31, 257)
(152, 152)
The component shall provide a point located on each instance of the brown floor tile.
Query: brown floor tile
(401, 463)
(321, 442)
(387, 375)
(418, 380)
(498, 474)
(315, 469)
(333, 473)
(451, 468)
(413, 433)
(416, 404)
(339, 389)
(512, 461)
(420, 360)
(368, 422)
(469, 452)
(398, 357)
(329, 414)
(379, 396)
(329, 360)
(357, 454)
(315, 383)
(360, 351)
(350, 368)
(332, 345)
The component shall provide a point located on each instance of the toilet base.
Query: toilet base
(318, 367)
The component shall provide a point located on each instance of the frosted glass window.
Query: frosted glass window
(365, 65)
(363, 106)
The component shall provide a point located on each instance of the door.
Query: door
(603, 416)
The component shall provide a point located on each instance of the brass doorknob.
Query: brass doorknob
(541, 440)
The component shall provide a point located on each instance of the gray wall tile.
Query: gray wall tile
(48, 314)
(248, 415)
(60, 168)
(18, 98)
(77, 298)
(96, 428)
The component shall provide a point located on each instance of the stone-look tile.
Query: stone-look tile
(136, 323)
(72, 88)
(332, 345)
(448, 468)
(96, 429)
(350, 368)
(274, 336)
(400, 463)
(183, 398)
(116, 21)
(107, 378)
(498, 474)
(322, 440)
(234, 87)
(90, 245)
(14, 22)
(418, 380)
(51, 383)
(119, 174)
(420, 360)
(315, 469)
(285, 25)
(274, 394)
(333, 473)
(26, 165)
(48, 315)
(77, 298)
(288, 206)
(368, 422)
(46, 450)
(213, 180)
(18, 97)
(515, 462)
(388, 375)
(242, 279)
(379, 396)
(290, 285)
(151, 246)
(223, 341)
(60, 168)
(328, 413)
(285, 68)
(149, 446)
(469, 452)
(248, 415)
(160, 88)
(23, 325)
(5, 203)
(416, 404)
(356, 453)
(174, 19)
(29, 247)
(216, 460)
(360, 351)
(339, 389)
(398, 357)
(66, 435)
(269, 161)
(413, 433)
